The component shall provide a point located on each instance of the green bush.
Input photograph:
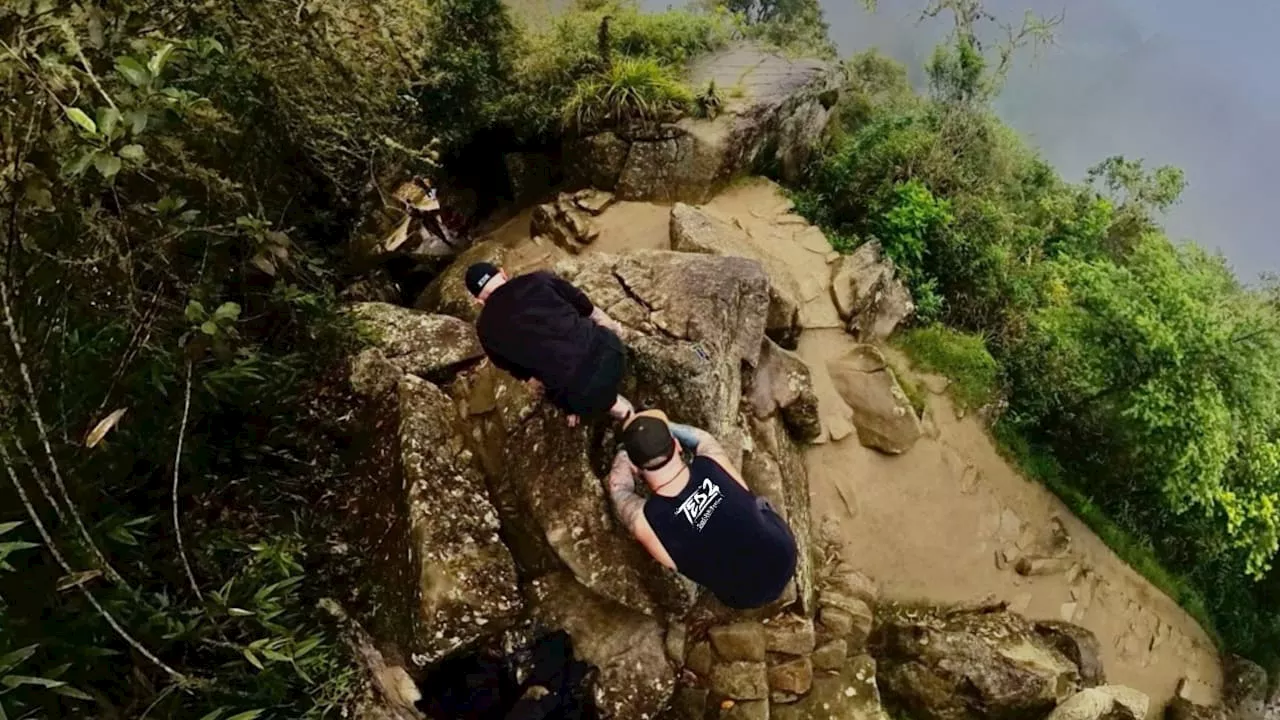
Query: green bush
(962, 357)
(630, 89)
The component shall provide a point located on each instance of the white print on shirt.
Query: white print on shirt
(700, 505)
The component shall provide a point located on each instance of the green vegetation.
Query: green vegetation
(629, 90)
(963, 357)
(1146, 377)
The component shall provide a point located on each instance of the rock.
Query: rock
(740, 680)
(690, 703)
(700, 659)
(846, 616)
(635, 680)
(694, 320)
(447, 580)
(1244, 689)
(414, 342)
(1183, 709)
(375, 286)
(881, 411)
(1032, 566)
(790, 635)
(849, 583)
(852, 694)
(596, 160)
(793, 676)
(1112, 702)
(592, 201)
(783, 383)
(774, 469)
(782, 698)
(831, 655)
(957, 665)
(836, 621)
(447, 294)
(868, 294)
(739, 641)
(564, 223)
(694, 231)
(675, 643)
(1078, 645)
(750, 710)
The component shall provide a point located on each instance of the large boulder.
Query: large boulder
(403, 341)
(868, 293)
(1244, 689)
(775, 117)
(783, 384)
(1107, 702)
(882, 414)
(694, 231)
(443, 577)
(447, 294)
(1079, 645)
(850, 694)
(636, 681)
(692, 322)
(970, 665)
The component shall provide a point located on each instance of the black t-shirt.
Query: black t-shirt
(724, 538)
(539, 326)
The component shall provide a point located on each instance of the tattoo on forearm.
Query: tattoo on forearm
(622, 492)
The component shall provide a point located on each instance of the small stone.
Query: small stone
(793, 676)
(675, 642)
(756, 710)
(851, 618)
(790, 635)
(831, 656)
(699, 659)
(741, 680)
(836, 621)
(739, 641)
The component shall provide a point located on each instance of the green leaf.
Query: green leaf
(107, 165)
(77, 167)
(133, 71)
(17, 657)
(214, 715)
(84, 121)
(306, 647)
(108, 119)
(14, 681)
(71, 692)
(195, 312)
(137, 121)
(209, 327)
(239, 612)
(133, 153)
(157, 62)
(9, 526)
(227, 311)
(253, 659)
(250, 715)
(8, 547)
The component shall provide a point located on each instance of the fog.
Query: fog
(1192, 84)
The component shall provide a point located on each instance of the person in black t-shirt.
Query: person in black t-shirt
(548, 334)
(701, 519)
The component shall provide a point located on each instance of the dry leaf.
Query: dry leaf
(263, 263)
(101, 429)
(66, 582)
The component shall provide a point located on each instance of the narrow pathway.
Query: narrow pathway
(942, 522)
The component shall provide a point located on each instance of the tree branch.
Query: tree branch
(66, 568)
(177, 465)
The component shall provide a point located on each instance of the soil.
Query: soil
(947, 521)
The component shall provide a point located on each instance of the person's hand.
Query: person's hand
(573, 421)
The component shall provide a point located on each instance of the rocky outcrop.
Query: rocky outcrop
(635, 681)
(882, 413)
(776, 115)
(403, 341)
(1244, 689)
(957, 665)
(849, 694)
(1079, 646)
(783, 384)
(567, 221)
(868, 293)
(694, 231)
(1108, 702)
(447, 294)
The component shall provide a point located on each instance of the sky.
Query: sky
(1194, 84)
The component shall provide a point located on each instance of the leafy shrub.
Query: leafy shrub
(630, 89)
(962, 357)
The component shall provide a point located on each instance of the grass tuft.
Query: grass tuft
(962, 357)
(629, 89)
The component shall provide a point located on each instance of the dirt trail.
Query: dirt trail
(935, 523)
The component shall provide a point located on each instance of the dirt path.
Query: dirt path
(936, 523)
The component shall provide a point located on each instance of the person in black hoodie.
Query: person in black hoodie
(546, 332)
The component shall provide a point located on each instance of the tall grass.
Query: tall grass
(962, 357)
(629, 89)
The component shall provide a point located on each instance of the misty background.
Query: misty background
(1179, 82)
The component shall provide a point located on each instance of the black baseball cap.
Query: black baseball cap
(648, 441)
(479, 275)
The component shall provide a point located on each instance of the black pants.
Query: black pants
(596, 389)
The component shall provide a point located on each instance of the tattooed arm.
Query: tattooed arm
(629, 507)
